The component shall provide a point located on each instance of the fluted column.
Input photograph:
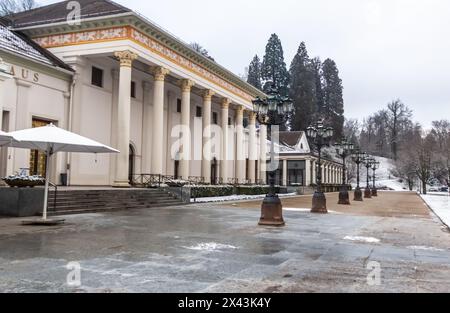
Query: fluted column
(285, 173)
(263, 153)
(146, 127)
(158, 119)
(224, 125)
(252, 147)
(206, 155)
(186, 86)
(123, 117)
(240, 156)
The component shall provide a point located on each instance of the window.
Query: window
(229, 120)
(133, 89)
(214, 118)
(198, 112)
(178, 105)
(245, 122)
(97, 77)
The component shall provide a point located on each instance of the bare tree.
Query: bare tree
(398, 115)
(8, 7)
(198, 48)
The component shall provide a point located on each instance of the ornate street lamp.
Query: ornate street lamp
(321, 136)
(272, 110)
(358, 157)
(344, 149)
(368, 164)
(375, 166)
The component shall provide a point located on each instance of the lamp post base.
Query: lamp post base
(374, 192)
(343, 196)
(367, 193)
(319, 203)
(271, 212)
(357, 194)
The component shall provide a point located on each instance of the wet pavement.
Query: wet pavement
(219, 248)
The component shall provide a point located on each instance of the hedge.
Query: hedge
(220, 191)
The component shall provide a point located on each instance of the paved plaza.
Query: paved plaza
(220, 248)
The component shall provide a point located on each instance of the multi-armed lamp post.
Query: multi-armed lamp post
(321, 136)
(358, 157)
(368, 164)
(272, 110)
(375, 166)
(344, 149)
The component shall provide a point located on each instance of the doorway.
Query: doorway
(38, 159)
(214, 171)
(131, 156)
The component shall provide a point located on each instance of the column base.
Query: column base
(367, 193)
(374, 192)
(319, 203)
(271, 212)
(121, 184)
(344, 197)
(357, 194)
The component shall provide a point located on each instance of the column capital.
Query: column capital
(159, 72)
(146, 86)
(125, 57)
(225, 103)
(252, 117)
(207, 94)
(239, 110)
(186, 85)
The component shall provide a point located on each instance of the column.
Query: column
(224, 125)
(313, 172)
(123, 117)
(146, 127)
(263, 153)
(307, 173)
(285, 171)
(158, 118)
(240, 156)
(186, 86)
(252, 146)
(206, 121)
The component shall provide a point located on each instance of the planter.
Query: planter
(24, 181)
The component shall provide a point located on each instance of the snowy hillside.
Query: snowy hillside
(384, 176)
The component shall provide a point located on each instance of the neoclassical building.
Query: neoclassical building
(114, 76)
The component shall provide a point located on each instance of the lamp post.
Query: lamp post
(321, 136)
(358, 157)
(270, 111)
(375, 166)
(344, 149)
(368, 164)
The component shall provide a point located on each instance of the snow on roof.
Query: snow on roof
(21, 45)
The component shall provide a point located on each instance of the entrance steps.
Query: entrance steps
(89, 201)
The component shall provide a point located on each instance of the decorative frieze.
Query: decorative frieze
(127, 32)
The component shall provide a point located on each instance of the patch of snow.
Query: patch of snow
(440, 206)
(297, 209)
(210, 246)
(424, 248)
(363, 239)
(237, 198)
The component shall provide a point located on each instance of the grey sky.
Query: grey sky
(384, 49)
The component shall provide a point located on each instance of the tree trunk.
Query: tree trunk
(424, 187)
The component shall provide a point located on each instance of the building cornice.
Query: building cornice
(156, 33)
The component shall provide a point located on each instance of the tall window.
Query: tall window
(97, 77)
(198, 112)
(133, 89)
(179, 105)
(214, 117)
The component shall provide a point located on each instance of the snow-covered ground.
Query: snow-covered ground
(440, 204)
(238, 198)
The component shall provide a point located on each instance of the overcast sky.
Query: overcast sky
(385, 49)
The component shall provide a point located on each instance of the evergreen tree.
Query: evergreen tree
(254, 73)
(333, 97)
(302, 89)
(318, 77)
(274, 69)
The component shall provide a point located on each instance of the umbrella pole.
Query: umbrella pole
(47, 176)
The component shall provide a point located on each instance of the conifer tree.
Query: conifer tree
(274, 69)
(254, 73)
(333, 97)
